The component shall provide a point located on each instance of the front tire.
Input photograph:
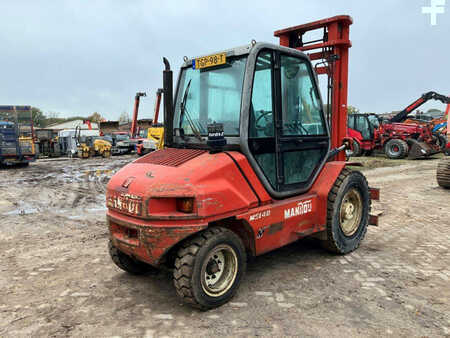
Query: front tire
(356, 152)
(209, 268)
(396, 149)
(347, 212)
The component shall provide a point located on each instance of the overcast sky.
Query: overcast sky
(77, 57)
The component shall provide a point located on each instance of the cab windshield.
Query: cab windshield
(210, 95)
(374, 121)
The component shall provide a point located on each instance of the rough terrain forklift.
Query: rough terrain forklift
(250, 164)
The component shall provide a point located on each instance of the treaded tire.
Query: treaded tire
(390, 149)
(443, 173)
(442, 141)
(356, 152)
(337, 241)
(127, 263)
(191, 256)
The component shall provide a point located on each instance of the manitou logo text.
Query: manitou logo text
(127, 203)
(301, 209)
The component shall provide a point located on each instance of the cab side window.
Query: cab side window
(261, 111)
(261, 124)
(301, 107)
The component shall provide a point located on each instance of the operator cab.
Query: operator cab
(266, 100)
(364, 123)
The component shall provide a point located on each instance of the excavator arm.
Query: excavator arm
(402, 116)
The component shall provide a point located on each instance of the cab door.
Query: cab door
(301, 131)
(288, 138)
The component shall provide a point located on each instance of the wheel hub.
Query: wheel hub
(219, 270)
(213, 266)
(348, 210)
(351, 212)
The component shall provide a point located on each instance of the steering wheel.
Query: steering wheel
(265, 115)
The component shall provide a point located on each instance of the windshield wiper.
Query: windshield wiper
(183, 110)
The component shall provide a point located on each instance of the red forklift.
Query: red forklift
(395, 137)
(251, 163)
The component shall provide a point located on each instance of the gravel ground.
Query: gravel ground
(56, 277)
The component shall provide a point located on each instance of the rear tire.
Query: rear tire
(347, 212)
(209, 268)
(127, 263)
(443, 173)
(396, 149)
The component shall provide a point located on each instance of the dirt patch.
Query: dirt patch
(381, 161)
(56, 278)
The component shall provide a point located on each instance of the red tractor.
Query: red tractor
(250, 164)
(395, 138)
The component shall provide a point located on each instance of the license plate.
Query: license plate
(209, 61)
(126, 203)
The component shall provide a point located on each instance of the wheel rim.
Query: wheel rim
(395, 149)
(219, 270)
(351, 212)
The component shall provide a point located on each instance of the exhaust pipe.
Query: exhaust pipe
(168, 103)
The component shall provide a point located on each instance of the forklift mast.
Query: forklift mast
(402, 116)
(331, 53)
(157, 105)
(135, 113)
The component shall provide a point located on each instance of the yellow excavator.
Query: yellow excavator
(155, 134)
(89, 146)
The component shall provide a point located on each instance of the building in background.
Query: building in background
(72, 125)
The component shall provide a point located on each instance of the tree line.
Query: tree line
(42, 120)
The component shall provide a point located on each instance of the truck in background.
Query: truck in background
(16, 135)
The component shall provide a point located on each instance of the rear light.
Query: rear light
(185, 205)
